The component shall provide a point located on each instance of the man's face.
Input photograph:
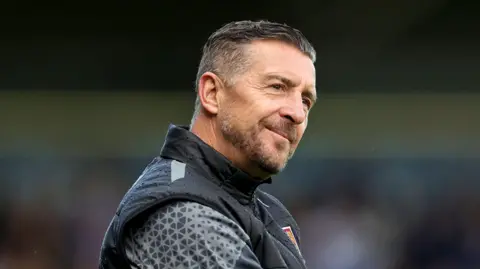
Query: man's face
(264, 114)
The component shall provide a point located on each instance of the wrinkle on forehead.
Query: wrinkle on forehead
(279, 57)
(267, 56)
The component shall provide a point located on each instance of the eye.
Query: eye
(277, 86)
(307, 102)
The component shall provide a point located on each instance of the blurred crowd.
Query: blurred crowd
(349, 231)
(352, 214)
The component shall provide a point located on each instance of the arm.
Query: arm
(189, 235)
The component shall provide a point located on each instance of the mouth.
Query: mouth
(281, 134)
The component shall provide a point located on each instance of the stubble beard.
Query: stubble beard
(249, 143)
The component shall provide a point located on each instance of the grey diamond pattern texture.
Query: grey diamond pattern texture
(186, 235)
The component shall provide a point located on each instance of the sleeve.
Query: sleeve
(189, 235)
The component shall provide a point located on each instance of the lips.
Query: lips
(282, 134)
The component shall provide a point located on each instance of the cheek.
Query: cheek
(301, 131)
(238, 118)
(253, 114)
(250, 110)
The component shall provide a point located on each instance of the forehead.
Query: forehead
(270, 56)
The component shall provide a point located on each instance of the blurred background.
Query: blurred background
(386, 177)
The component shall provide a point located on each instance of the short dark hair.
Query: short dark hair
(223, 53)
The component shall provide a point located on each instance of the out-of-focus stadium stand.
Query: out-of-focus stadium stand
(380, 180)
(386, 177)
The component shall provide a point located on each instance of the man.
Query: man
(198, 205)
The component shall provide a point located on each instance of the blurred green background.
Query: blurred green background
(386, 176)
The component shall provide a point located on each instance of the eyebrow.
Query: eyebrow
(311, 94)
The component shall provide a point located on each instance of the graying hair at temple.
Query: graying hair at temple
(224, 53)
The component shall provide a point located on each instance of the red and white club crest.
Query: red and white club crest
(288, 230)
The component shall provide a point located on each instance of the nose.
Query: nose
(294, 111)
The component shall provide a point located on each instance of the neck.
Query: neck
(209, 132)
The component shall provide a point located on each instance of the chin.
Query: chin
(271, 163)
(272, 168)
(270, 156)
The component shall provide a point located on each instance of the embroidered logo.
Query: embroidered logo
(289, 232)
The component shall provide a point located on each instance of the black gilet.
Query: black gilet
(209, 179)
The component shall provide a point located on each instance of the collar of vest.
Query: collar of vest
(184, 146)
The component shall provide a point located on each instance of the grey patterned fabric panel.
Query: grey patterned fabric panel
(189, 235)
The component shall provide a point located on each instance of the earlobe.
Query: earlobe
(207, 91)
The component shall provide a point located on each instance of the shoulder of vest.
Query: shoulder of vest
(278, 210)
(163, 172)
(166, 180)
(271, 201)
(155, 179)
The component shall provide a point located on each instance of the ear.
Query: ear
(208, 87)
